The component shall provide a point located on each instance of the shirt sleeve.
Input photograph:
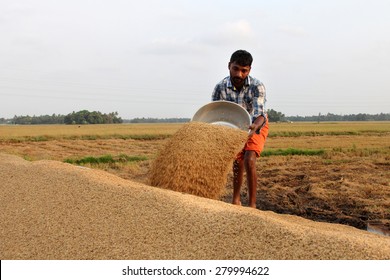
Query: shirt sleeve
(216, 95)
(259, 100)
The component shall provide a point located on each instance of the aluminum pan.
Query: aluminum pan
(224, 113)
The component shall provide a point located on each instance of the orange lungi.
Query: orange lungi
(255, 143)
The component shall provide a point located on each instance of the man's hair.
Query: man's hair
(242, 58)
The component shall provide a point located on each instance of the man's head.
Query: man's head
(242, 58)
(239, 67)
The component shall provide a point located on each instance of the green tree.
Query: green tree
(274, 116)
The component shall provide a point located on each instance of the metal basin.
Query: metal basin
(224, 113)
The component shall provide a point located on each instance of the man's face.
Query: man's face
(238, 74)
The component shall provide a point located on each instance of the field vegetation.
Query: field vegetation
(336, 172)
(17, 133)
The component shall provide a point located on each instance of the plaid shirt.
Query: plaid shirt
(251, 96)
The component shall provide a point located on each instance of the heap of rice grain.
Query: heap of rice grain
(197, 159)
(53, 210)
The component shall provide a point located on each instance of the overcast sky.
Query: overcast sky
(162, 59)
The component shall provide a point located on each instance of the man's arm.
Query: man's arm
(216, 95)
(256, 125)
(259, 100)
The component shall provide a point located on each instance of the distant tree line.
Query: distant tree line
(339, 118)
(156, 120)
(274, 116)
(86, 117)
(81, 117)
(45, 119)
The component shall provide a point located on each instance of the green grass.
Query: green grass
(121, 136)
(320, 133)
(42, 138)
(35, 133)
(328, 128)
(106, 159)
(292, 151)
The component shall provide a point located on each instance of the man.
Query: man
(248, 92)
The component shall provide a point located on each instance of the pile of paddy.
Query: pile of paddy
(197, 158)
(54, 210)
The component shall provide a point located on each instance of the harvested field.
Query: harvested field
(197, 159)
(54, 210)
(349, 183)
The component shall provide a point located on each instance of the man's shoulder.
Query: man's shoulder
(224, 81)
(255, 82)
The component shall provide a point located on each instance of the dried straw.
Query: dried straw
(197, 159)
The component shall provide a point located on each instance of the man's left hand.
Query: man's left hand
(255, 126)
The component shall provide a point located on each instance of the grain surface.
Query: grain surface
(197, 159)
(53, 210)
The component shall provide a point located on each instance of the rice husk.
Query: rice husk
(54, 210)
(197, 158)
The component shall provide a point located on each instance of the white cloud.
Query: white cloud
(230, 33)
(295, 31)
(172, 46)
(241, 29)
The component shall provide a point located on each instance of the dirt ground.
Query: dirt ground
(334, 193)
(349, 190)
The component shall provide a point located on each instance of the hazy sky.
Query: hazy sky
(162, 59)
